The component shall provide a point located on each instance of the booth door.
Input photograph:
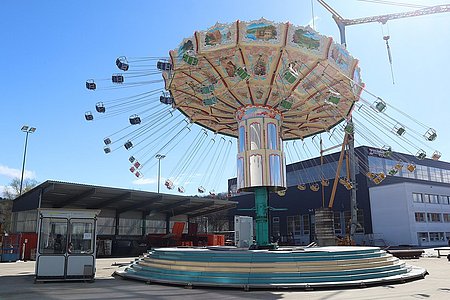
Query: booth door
(81, 247)
(66, 249)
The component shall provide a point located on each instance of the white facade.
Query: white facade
(411, 214)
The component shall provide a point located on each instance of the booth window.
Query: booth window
(53, 239)
(81, 236)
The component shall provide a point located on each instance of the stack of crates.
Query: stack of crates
(10, 249)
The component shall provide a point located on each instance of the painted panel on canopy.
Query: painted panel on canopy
(220, 36)
(357, 84)
(260, 61)
(308, 41)
(339, 57)
(188, 44)
(262, 32)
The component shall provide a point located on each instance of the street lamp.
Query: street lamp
(27, 130)
(159, 157)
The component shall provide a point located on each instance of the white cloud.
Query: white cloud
(4, 188)
(16, 173)
(144, 181)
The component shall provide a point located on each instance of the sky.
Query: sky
(50, 48)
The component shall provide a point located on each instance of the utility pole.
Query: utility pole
(27, 130)
(159, 157)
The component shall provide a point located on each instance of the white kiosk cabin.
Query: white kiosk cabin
(66, 244)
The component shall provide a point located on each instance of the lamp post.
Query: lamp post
(159, 157)
(27, 130)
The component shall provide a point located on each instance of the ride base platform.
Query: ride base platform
(287, 267)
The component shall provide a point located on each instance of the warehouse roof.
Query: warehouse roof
(55, 194)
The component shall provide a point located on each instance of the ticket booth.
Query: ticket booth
(66, 244)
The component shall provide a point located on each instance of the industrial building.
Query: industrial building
(129, 223)
(409, 205)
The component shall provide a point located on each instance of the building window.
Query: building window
(106, 226)
(155, 226)
(446, 218)
(435, 174)
(306, 224)
(276, 226)
(434, 199)
(423, 237)
(420, 217)
(417, 198)
(430, 198)
(359, 221)
(436, 236)
(422, 172)
(376, 164)
(337, 223)
(434, 217)
(294, 225)
(444, 199)
(445, 176)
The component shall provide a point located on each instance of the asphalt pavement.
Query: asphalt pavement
(17, 282)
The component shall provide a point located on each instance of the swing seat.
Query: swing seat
(207, 89)
(301, 187)
(190, 59)
(314, 187)
(430, 135)
(90, 85)
(135, 120)
(128, 145)
(88, 116)
(436, 155)
(210, 101)
(117, 78)
(100, 107)
(164, 66)
(169, 184)
(411, 167)
(290, 75)
(122, 63)
(242, 73)
(286, 103)
(421, 154)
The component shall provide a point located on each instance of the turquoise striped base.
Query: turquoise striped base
(294, 267)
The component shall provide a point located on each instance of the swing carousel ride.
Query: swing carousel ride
(266, 89)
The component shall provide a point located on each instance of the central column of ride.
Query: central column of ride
(260, 160)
